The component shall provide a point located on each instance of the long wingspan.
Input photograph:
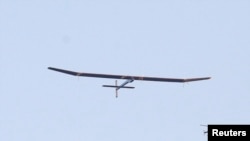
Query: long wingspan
(111, 76)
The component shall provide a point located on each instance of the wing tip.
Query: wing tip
(197, 79)
(54, 69)
(64, 71)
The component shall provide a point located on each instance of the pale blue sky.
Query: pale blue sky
(181, 38)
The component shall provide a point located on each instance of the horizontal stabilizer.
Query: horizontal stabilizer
(112, 86)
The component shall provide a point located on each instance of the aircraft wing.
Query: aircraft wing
(111, 76)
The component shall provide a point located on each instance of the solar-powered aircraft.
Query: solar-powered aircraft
(205, 132)
(129, 79)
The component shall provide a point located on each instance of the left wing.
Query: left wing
(111, 76)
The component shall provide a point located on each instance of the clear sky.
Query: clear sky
(162, 38)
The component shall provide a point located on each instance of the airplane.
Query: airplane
(205, 132)
(129, 79)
